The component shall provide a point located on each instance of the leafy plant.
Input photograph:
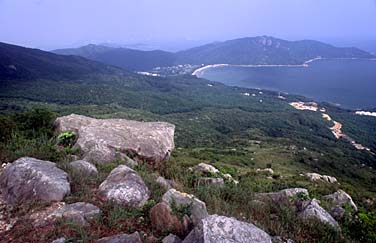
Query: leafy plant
(66, 139)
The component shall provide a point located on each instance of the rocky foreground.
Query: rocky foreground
(179, 216)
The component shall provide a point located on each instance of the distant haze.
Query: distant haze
(178, 24)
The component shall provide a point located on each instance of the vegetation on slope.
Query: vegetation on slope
(30, 133)
(17, 63)
(215, 124)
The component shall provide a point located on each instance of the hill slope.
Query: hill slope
(25, 63)
(265, 50)
(123, 57)
(225, 126)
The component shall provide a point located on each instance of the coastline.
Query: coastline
(366, 113)
(305, 64)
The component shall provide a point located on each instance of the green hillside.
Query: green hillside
(123, 57)
(18, 63)
(216, 124)
(265, 50)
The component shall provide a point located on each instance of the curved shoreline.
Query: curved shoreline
(305, 64)
(336, 129)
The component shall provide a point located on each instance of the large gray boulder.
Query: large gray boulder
(121, 238)
(312, 210)
(28, 179)
(221, 229)
(104, 140)
(124, 186)
(197, 208)
(341, 198)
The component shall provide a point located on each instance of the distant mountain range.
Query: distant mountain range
(92, 60)
(255, 50)
(18, 62)
(265, 50)
(122, 57)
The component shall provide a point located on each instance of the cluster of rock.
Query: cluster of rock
(29, 179)
(182, 215)
(209, 175)
(197, 225)
(338, 202)
(318, 177)
(307, 208)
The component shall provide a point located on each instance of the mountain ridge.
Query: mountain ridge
(18, 62)
(266, 50)
(127, 58)
(241, 51)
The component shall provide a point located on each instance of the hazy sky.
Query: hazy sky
(60, 23)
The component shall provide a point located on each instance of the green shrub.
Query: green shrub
(6, 128)
(363, 227)
(66, 139)
(35, 122)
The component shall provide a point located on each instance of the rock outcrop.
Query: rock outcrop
(341, 198)
(318, 177)
(197, 208)
(205, 168)
(28, 179)
(230, 179)
(104, 140)
(221, 229)
(79, 213)
(211, 175)
(266, 171)
(285, 196)
(83, 167)
(312, 210)
(124, 186)
(338, 202)
(122, 238)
